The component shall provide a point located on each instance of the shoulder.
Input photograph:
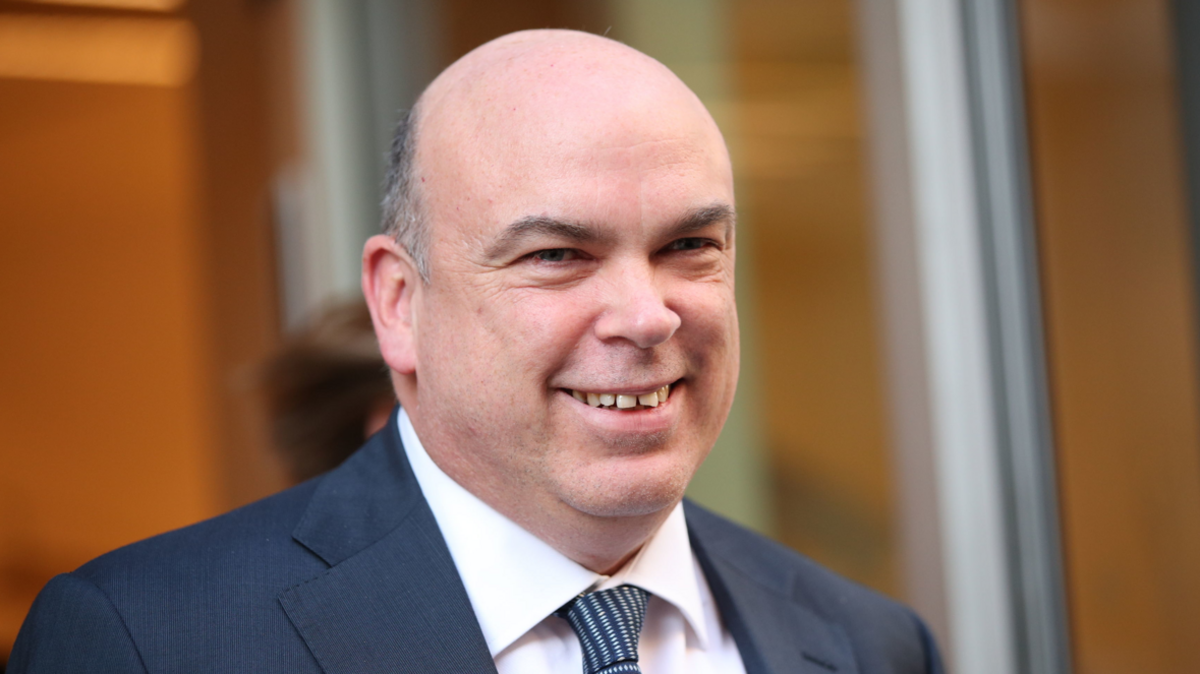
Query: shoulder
(72, 627)
(878, 627)
(234, 565)
(258, 535)
(190, 594)
(248, 556)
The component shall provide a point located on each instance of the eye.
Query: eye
(556, 255)
(690, 243)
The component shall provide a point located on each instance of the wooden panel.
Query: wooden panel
(138, 289)
(1122, 334)
(104, 422)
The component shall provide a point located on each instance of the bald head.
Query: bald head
(522, 96)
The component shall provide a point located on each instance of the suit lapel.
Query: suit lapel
(774, 633)
(392, 600)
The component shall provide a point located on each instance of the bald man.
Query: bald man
(554, 296)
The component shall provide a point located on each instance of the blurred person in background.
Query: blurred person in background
(554, 297)
(326, 390)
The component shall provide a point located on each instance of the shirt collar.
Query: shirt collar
(514, 579)
(665, 568)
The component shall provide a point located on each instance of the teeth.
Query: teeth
(624, 401)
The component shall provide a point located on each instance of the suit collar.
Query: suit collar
(392, 599)
(774, 632)
(361, 501)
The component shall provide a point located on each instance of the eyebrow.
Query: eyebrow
(701, 218)
(581, 233)
(536, 225)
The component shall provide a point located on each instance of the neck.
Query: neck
(600, 544)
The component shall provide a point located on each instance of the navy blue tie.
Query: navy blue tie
(608, 624)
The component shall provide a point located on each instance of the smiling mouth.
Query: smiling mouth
(625, 402)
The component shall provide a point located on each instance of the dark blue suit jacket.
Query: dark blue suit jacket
(348, 573)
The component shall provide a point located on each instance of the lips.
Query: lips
(624, 401)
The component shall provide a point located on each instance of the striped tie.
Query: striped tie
(608, 623)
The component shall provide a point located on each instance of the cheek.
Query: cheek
(709, 322)
(501, 347)
(710, 338)
(539, 329)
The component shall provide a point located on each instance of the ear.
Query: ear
(391, 286)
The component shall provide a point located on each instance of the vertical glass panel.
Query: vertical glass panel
(1106, 153)
(799, 159)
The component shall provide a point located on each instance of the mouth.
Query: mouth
(623, 401)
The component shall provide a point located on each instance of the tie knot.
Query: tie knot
(608, 624)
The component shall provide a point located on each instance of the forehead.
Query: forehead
(593, 151)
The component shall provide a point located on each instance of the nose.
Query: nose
(637, 312)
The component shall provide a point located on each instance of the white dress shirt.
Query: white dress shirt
(516, 581)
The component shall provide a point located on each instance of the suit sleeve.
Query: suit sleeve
(72, 628)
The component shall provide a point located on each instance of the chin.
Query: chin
(628, 491)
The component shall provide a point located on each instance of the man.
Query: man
(554, 298)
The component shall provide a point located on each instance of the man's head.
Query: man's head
(567, 226)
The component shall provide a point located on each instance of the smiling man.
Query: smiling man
(554, 295)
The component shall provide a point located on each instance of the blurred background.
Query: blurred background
(967, 282)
